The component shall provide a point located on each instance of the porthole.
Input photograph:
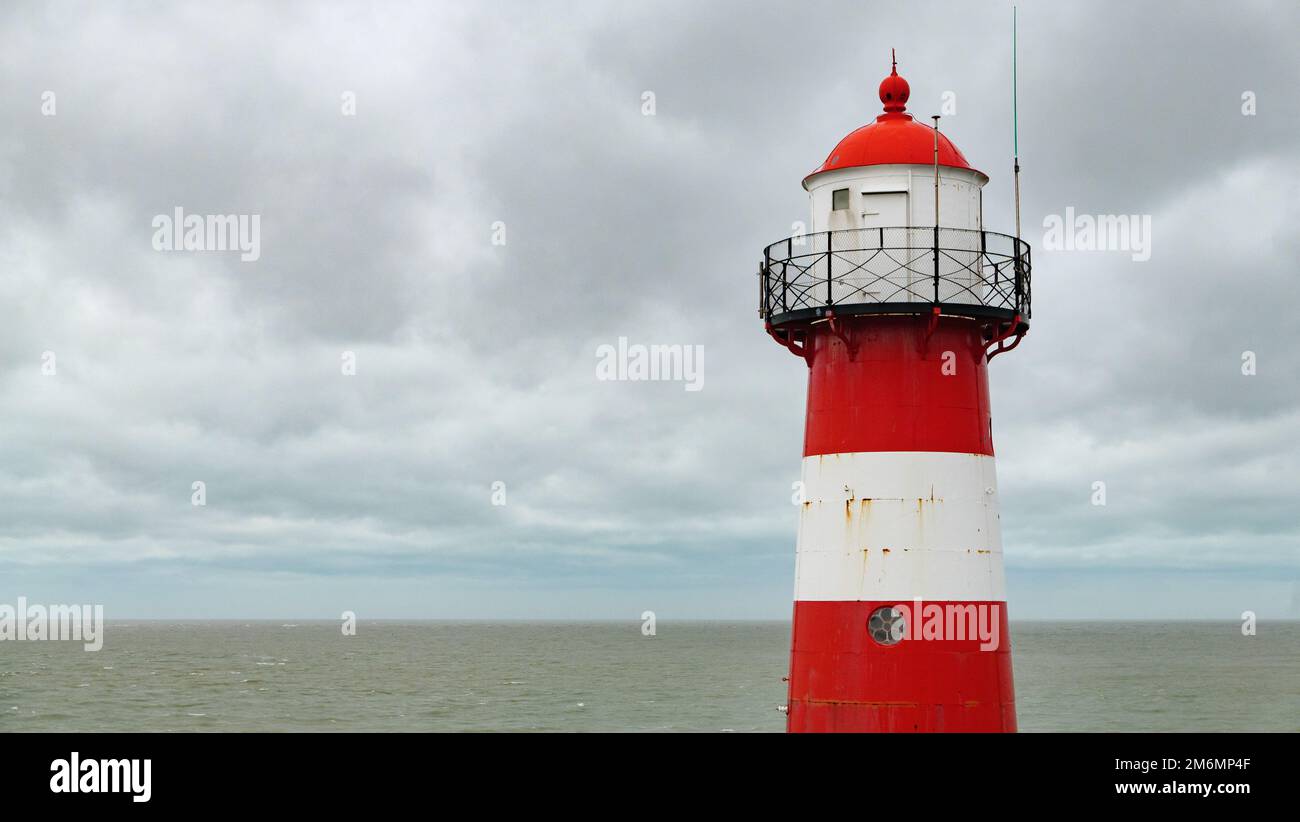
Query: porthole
(886, 625)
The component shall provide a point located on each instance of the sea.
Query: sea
(605, 676)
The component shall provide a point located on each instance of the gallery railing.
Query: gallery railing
(895, 270)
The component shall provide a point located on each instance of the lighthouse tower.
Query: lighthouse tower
(897, 298)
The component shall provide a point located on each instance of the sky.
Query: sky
(467, 200)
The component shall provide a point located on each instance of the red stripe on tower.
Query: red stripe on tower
(900, 618)
(898, 384)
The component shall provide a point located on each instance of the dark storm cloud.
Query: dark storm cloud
(476, 362)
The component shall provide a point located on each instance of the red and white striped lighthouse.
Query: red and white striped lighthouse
(897, 298)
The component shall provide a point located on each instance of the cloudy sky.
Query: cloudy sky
(475, 361)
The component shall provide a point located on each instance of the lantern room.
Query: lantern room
(883, 175)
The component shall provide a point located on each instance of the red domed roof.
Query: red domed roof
(893, 138)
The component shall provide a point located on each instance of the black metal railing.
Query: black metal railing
(895, 270)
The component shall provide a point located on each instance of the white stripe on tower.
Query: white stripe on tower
(894, 525)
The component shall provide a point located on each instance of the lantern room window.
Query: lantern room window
(840, 200)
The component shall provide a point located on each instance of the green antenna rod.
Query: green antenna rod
(1015, 118)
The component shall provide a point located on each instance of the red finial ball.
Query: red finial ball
(894, 91)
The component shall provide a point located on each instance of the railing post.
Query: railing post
(984, 256)
(784, 285)
(765, 285)
(1019, 277)
(785, 266)
(830, 261)
(1027, 303)
(936, 265)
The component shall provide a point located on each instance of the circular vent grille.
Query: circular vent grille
(887, 625)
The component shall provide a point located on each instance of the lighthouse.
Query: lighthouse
(896, 298)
